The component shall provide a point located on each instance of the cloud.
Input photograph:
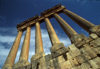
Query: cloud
(6, 39)
(3, 54)
(10, 39)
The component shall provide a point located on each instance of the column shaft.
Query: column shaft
(26, 44)
(12, 54)
(79, 20)
(52, 34)
(38, 39)
(67, 28)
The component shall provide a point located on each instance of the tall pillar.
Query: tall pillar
(57, 48)
(12, 54)
(25, 48)
(38, 39)
(79, 20)
(73, 35)
(52, 34)
(38, 60)
(68, 30)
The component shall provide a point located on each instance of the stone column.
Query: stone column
(25, 48)
(57, 48)
(38, 60)
(38, 39)
(12, 54)
(79, 20)
(68, 30)
(52, 34)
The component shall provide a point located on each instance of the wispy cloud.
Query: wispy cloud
(10, 39)
(6, 39)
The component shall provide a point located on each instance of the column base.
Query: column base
(7, 66)
(38, 61)
(80, 40)
(20, 63)
(96, 30)
(37, 56)
(58, 49)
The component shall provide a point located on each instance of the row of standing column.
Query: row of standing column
(12, 54)
(25, 47)
(38, 39)
(66, 27)
(24, 52)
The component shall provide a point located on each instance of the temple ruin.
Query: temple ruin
(83, 53)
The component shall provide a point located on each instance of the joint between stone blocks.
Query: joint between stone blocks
(37, 56)
(21, 63)
(58, 49)
(7, 66)
(95, 30)
(79, 40)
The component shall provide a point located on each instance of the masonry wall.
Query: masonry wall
(84, 56)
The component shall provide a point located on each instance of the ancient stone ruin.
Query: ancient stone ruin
(83, 53)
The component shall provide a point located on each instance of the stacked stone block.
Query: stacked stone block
(83, 53)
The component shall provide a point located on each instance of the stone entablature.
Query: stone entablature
(84, 53)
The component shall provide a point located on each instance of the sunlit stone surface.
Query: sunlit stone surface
(83, 53)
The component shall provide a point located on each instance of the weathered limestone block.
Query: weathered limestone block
(20, 67)
(73, 51)
(34, 65)
(97, 50)
(48, 57)
(49, 61)
(93, 36)
(69, 56)
(80, 59)
(88, 52)
(50, 64)
(96, 30)
(58, 49)
(37, 56)
(7, 67)
(38, 61)
(76, 67)
(21, 63)
(66, 65)
(61, 59)
(95, 63)
(79, 40)
(95, 43)
(56, 63)
(28, 67)
(73, 62)
(83, 66)
(42, 63)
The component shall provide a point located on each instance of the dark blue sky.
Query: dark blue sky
(13, 12)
